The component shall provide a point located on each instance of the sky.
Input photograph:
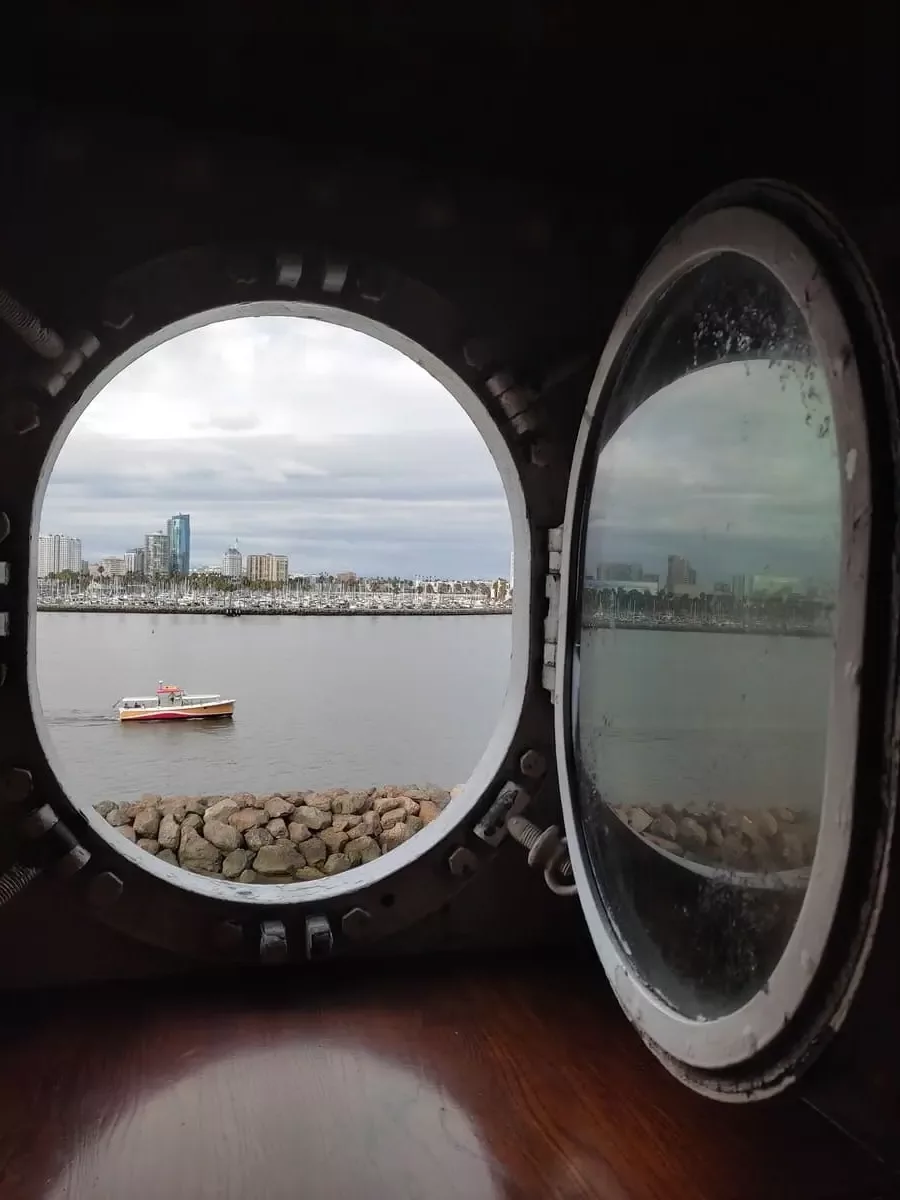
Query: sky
(295, 436)
(733, 467)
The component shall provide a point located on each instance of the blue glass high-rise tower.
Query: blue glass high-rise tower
(179, 531)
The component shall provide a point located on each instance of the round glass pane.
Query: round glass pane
(704, 648)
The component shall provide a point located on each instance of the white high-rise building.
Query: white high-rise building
(157, 556)
(232, 563)
(57, 553)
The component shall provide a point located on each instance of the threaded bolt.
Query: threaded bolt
(541, 844)
(15, 880)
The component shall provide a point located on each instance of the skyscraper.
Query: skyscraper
(680, 572)
(232, 563)
(178, 529)
(57, 553)
(134, 561)
(157, 555)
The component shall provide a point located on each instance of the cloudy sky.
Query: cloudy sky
(734, 467)
(295, 436)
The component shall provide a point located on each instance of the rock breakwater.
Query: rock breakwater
(276, 837)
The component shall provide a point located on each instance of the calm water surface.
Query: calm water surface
(321, 701)
(358, 701)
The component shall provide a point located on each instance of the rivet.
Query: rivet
(4, 624)
(105, 890)
(462, 863)
(499, 383)
(4, 574)
(356, 924)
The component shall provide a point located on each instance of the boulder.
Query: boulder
(639, 820)
(127, 833)
(223, 837)
(438, 796)
(335, 864)
(314, 851)
(169, 833)
(412, 806)
(278, 807)
(352, 802)
(151, 845)
(256, 839)
(277, 828)
(173, 806)
(393, 837)
(692, 833)
(766, 823)
(664, 826)
(280, 859)
(318, 800)
(197, 854)
(298, 832)
(414, 825)
(235, 863)
(313, 818)
(393, 816)
(247, 818)
(248, 876)
(195, 804)
(222, 810)
(149, 799)
(146, 823)
(344, 821)
(167, 856)
(666, 844)
(306, 874)
(370, 825)
(248, 799)
(385, 804)
(117, 817)
(428, 811)
(192, 821)
(334, 839)
(361, 850)
(105, 807)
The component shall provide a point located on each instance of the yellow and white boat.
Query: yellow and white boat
(173, 704)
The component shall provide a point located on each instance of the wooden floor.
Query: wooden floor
(462, 1082)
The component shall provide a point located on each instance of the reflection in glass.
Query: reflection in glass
(710, 558)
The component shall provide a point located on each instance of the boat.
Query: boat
(172, 703)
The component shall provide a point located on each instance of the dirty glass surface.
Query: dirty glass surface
(704, 650)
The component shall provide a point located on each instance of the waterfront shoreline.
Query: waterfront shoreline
(188, 611)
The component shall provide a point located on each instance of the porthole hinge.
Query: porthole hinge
(551, 620)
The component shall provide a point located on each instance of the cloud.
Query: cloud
(294, 436)
(733, 466)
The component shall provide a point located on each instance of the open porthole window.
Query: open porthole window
(330, 461)
(724, 828)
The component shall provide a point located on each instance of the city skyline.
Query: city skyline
(295, 436)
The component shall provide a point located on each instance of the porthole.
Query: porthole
(136, 904)
(715, 558)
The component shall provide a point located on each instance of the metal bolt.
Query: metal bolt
(319, 939)
(15, 784)
(18, 416)
(541, 844)
(35, 824)
(228, 936)
(105, 890)
(541, 453)
(335, 277)
(462, 863)
(532, 764)
(288, 270)
(71, 863)
(273, 946)
(356, 924)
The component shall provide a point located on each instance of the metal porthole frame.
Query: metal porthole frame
(749, 1055)
(131, 891)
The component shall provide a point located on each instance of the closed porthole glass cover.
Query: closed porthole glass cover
(703, 641)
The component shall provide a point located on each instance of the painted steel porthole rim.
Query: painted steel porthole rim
(723, 1044)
